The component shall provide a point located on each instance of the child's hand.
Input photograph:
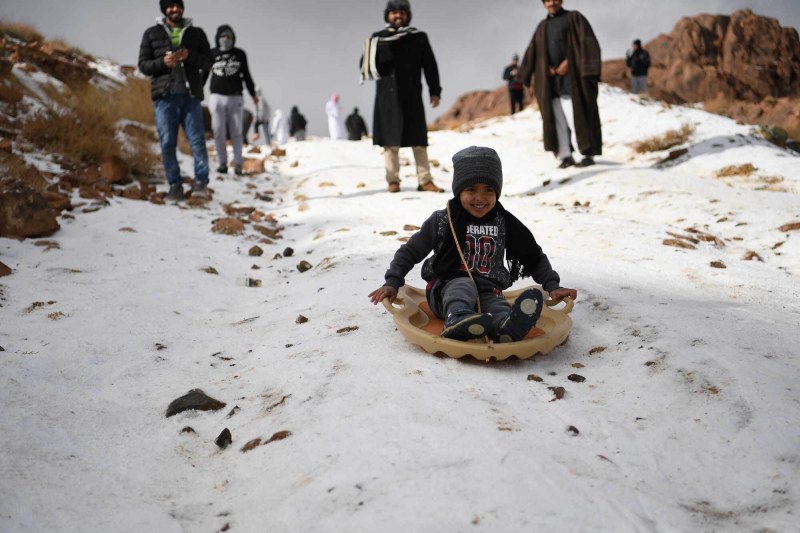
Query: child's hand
(378, 295)
(563, 292)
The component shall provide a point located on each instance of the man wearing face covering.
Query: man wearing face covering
(226, 104)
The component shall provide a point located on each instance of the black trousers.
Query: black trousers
(516, 99)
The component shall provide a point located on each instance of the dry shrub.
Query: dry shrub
(132, 101)
(21, 31)
(85, 129)
(736, 170)
(82, 134)
(13, 166)
(666, 141)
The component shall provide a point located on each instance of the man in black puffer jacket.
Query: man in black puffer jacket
(176, 56)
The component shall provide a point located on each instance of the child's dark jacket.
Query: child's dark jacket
(486, 243)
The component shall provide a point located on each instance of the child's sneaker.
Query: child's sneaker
(466, 326)
(524, 313)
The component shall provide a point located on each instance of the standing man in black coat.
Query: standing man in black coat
(516, 91)
(638, 60)
(396, 57)
(177, 57)
(356, 128)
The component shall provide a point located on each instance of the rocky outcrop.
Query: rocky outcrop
(24, 212)
(743, 56)
(475, 106)
(743, 65)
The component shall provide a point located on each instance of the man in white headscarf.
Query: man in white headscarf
(335, 119)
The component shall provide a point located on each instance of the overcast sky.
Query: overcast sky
(300, 51)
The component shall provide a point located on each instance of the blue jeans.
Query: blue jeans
(172, 112)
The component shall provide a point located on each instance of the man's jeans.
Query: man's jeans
(181, 110)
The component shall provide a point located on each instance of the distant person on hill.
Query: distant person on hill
(396, 57)
(177, 57)
(638, 60)
(516, 90)
(356, 128)
(297, 125)
(497, 251)
(335, 120)
(563, 62)
(280, 129)
(262, 118)
(228, 73)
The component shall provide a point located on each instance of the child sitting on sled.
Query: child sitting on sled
(486, 234)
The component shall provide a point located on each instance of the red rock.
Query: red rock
(228, 226)
(476, 106)
(114, 169)
(5, 270)
(24, 212)
(5, 145)
(253, 166)
(57, 201)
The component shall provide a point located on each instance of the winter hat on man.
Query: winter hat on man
(397, 5)
(166, 3)
(477, 164)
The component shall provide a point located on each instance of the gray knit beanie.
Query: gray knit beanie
(477, 164)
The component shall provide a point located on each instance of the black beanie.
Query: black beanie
(397, 5)
(477, 164)
(166, 3)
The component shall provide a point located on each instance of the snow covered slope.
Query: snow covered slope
(687, 419)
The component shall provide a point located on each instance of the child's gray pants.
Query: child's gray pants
(460, 295)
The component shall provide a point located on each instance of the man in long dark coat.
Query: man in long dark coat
(396, 57)
(563, 61)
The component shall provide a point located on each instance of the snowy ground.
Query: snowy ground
(687, 420)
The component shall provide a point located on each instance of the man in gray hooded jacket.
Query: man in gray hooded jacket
(226, 104)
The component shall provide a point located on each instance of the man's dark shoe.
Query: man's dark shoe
(463, 327)
(585, 162)
(429, 187)
(525, 312)
(567, 162)
(200, 190)
(237, 170)
(222, 169)
(175, 193)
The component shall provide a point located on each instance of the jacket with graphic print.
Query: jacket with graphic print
(229, 69)
(484, 247)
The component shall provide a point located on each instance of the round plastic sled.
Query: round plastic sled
(420, 326)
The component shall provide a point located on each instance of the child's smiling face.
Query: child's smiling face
(478, 199)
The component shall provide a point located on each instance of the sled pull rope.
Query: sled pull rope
(460, 253)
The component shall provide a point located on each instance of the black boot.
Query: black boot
(525, 312)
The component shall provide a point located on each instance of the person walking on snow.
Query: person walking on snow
(563, 62)
(356, 128)
(516, 91)
(226, 104)
(638, 60)
(396, 57)
(177, 58)
(261, 124)
(335, 121)
(280, 130)
(297, 125)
